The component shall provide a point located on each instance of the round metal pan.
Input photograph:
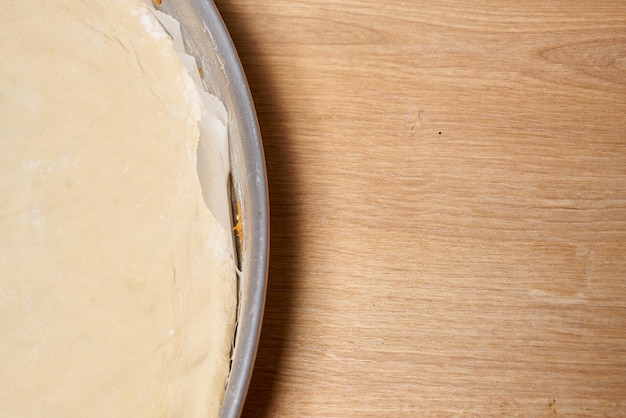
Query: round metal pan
(207, 39)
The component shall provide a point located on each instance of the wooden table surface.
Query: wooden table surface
(448, 206)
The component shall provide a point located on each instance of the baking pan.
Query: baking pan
(207, 39)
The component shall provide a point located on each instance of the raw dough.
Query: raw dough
(117, 286)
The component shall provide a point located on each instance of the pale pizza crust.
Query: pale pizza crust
(117, 287)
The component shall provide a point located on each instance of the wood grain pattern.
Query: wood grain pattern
(448, 203)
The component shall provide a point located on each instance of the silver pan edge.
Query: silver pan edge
(208, 40)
